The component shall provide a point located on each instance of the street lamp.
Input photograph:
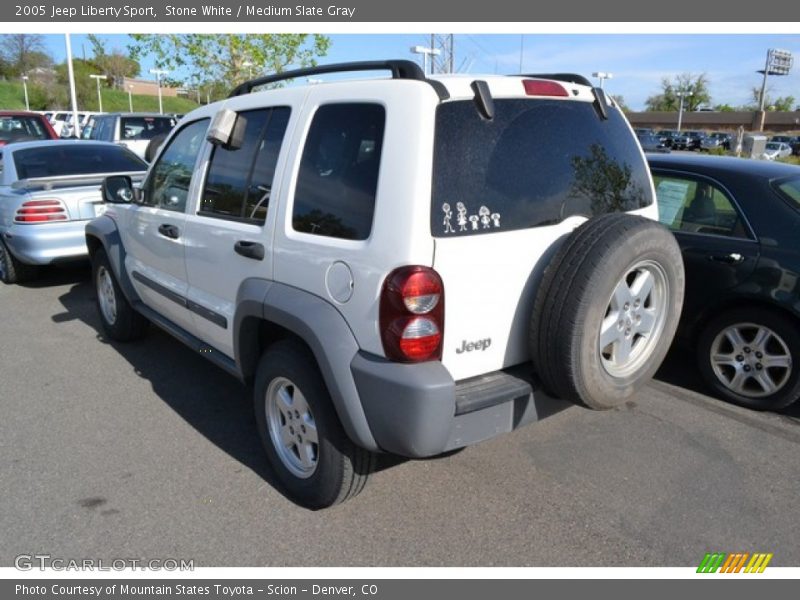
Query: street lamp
(602, 75)
(158, 73)
(25, 87)
(97, 78)
(779, 62)
(130, 97)
(249, 66)
(425, 51)
(682, 95)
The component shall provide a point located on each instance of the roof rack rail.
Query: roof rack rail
(565, 77)
(400, 69)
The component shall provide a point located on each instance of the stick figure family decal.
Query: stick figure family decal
(485, 218)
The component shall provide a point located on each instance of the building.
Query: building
(146, 87)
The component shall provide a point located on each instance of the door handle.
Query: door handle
(248, 249)
(169, 231)
(734, 258)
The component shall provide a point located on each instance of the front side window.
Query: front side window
(338, 178)
(144, 128)
(239, 180)
(697, 206)
(167, 186)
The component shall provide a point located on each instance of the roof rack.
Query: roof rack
(400, 69)
(565, 77)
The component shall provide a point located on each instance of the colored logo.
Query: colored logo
(738, 562)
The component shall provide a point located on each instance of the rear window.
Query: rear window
(18, 129)
(75, 159)
(144, 128)
(536, 163)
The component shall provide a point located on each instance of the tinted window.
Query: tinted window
(17, 129)
(791, 189)
(75, 159)
(168, 183)
(338, 177)
(104, 129)
(144, 128)
(696, 205)
(535, 163)
(239, 180)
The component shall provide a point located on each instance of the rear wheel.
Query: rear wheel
(12, 270)
(118, 318)
(607, 309)
(751, 357)
(313, 458)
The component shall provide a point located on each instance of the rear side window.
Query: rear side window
(338, 179)
(75, 159)
(790, 188)
(144, 128)
(536, 163)
(239, 181)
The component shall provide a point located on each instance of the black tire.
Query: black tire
(752, 394)
(576, 295)
(12, 270)
(125, 324)
(340, 468)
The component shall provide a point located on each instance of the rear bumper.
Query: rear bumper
(47, 243)
(418, 410)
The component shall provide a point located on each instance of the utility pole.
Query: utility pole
(158, 73)
(97, 78)
(25, 87)
(72, 95)
(443, 57)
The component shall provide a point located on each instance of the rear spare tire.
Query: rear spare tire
(606, 310)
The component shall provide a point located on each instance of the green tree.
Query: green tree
(779, 104)
(620, 100)
(116, 65)
(669, 100)
(724, 108)
(22, 52)
(224, 58)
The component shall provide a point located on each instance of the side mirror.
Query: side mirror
(227, 130)
(117, 189)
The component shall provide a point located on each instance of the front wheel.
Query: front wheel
(315, 461)
(750, 357)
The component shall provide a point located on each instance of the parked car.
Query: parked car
(675, 140)
(133, 130)
(724, 139)
(776, 150)
(58, 119)
(736, 221)
(21, 126)
(388, 288)
(68, 130)
(48, 192)
(652, 143)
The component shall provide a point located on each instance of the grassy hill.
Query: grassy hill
(12, 97)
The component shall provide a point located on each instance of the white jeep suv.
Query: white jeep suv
(399, 265)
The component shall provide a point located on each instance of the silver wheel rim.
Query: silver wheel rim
(751, 360)
(292, 428)
(634, 319)
(106, 296)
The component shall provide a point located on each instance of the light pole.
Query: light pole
(249, 66)
(25, 88)
(97, 78)
(682, 95)
(779, 62)
(130, 97)
(425, 51)
(602, 76)
(72, 95)
(158, 73)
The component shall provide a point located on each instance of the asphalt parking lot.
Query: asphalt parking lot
(148, 451)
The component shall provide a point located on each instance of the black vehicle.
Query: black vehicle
(737, 222)
(695, 140)
(724, 139)
(652, 143)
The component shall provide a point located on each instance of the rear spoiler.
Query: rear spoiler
(48, 183)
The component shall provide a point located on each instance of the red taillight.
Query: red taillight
(412, 314)
(41, 211)
(539, 87)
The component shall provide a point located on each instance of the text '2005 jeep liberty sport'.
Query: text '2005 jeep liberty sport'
(397, 264)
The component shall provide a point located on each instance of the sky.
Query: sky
(638, 62)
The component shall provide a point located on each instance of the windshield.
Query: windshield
(536, 163)
(75, 159)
